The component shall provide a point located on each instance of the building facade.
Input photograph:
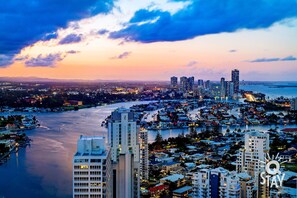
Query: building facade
(229, 89)
(173, 82)
(144, 154)
(223, 88)
(250, 159)
(214, 183)
(200, 83)
(183, 84)
(293, 104)
(92, 169)
(191, 83)
(123, 136)
(235, 80)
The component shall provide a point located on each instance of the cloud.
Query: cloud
(26, 22)
(71, 38)
(21, 58)
(259, 60)
(205, 17)
(145, 15)
(72, 52)
(122, 56)
(232, 51)
(49, 36)
(102, 31)
(44, 61)
(289, 58)
(5, 60)
(191, 63)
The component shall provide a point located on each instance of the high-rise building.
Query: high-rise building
(183, 84)
(293, 104)
(200, 83)
(256, 145)
(223, 88)
(123, 136)
(246, 185)
(125, 177)
(213, 183)
(92, 169)
(229, 89)
(173, 82)
(144, 162)
(235, 80)
(191, 83)
(207, 84)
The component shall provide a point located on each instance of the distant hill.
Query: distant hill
(37, 79)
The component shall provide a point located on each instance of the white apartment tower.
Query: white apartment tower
(123, 137)
(256, 146)
(123, 134)
(92, 169)
(215, 183)
(201, 184)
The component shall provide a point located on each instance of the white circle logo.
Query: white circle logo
(275, 170)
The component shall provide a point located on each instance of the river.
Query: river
(44, 169)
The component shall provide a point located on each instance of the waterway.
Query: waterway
(44, 169)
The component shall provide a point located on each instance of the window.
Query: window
(95, 160)
(80, 173)
(81, 160)
(95, 178)
(95, 167)
(95, 190)
(81, 184)
(95, 173)
(81, 178)
(84, 167)
(95, 184)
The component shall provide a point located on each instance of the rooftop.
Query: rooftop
(92, 137)
(182, 190)
(173, 178)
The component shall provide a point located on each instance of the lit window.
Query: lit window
(84, 166)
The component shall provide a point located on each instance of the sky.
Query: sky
(149, 39)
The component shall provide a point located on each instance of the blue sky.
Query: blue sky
(130, 39)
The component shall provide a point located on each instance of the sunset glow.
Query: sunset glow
(263, 51)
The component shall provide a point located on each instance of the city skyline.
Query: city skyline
(150, 98)
(123, 40)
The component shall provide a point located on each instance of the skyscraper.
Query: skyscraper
(144, 162)
(223, 88)
(191, 83)
(173, 82)
(183, 84)
(92, 169)
(200, 83)
(235, 80)
(256, 145)
(207, 84)
(229, 89)
(123, 136)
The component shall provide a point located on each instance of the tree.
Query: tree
(193, 132)
(158, 138)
